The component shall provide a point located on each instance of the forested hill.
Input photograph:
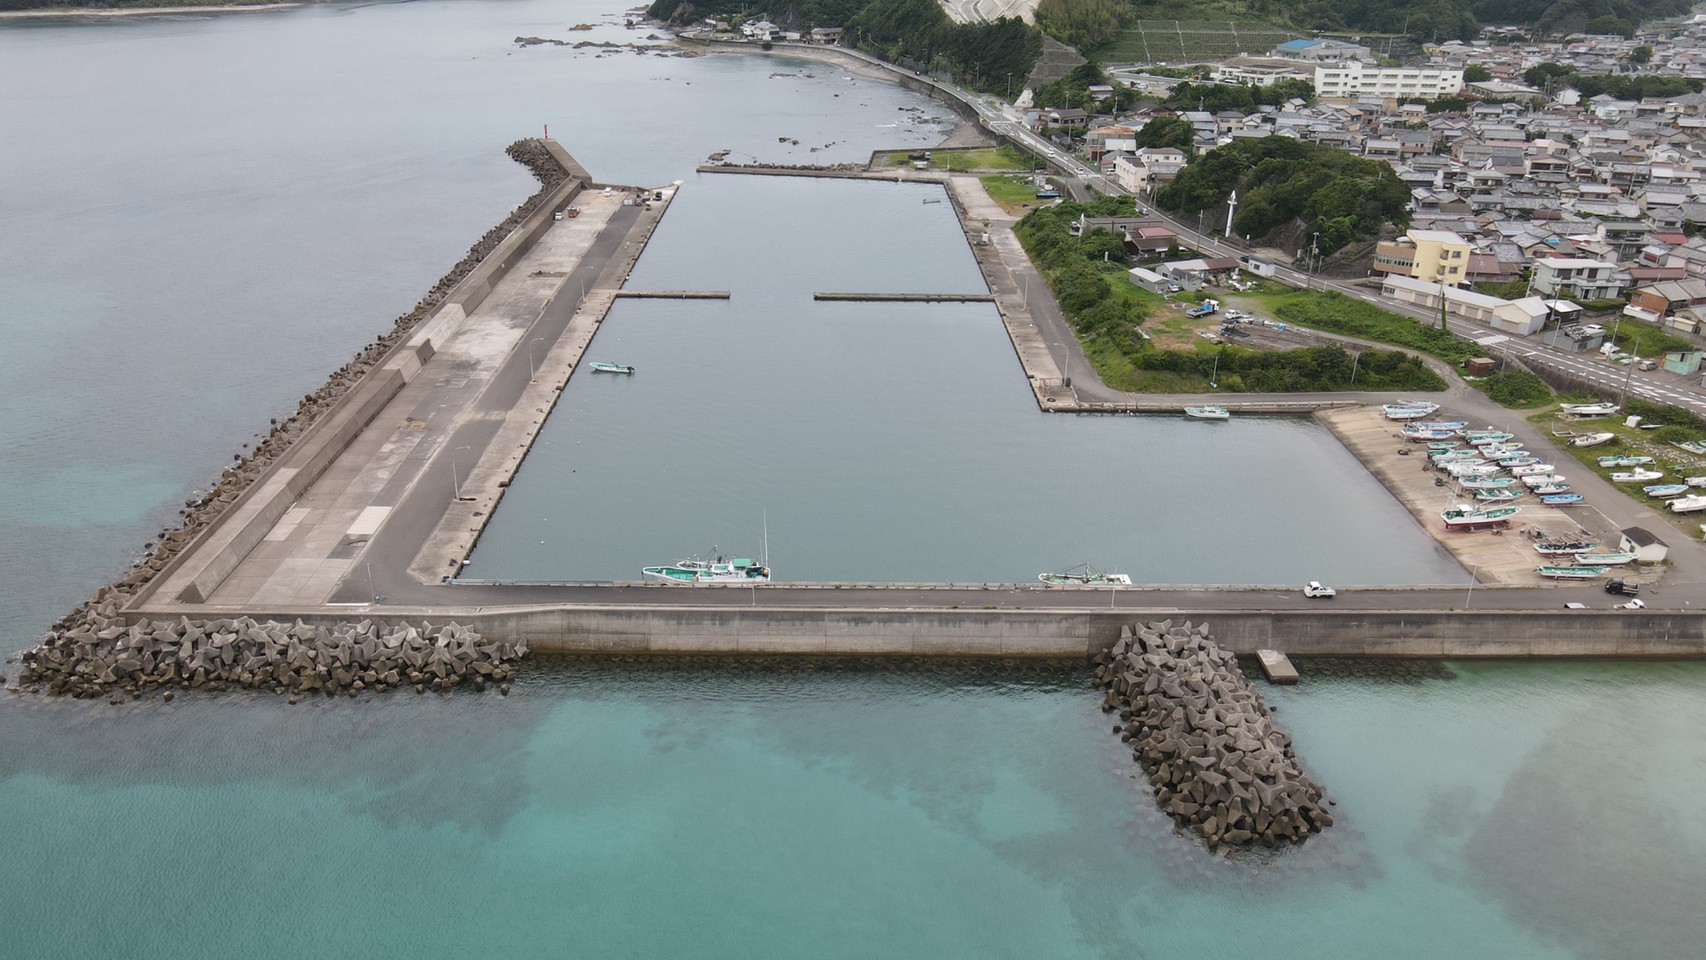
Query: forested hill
(123, 4)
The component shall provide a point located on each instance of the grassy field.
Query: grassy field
(1676, 463)
(1016, 194)
(985, 158)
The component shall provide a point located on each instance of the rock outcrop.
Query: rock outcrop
(104, 656)
(1218, 764)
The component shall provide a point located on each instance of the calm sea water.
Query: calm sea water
(204, 215)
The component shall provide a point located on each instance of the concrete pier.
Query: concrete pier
(671, 294)
(908, 297)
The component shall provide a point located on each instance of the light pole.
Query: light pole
(1354, 362)
(1471, 595)
(455, 481)
(532, 364)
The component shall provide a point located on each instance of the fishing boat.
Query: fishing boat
(1452, 425)
(1417, 436)
(1481, 441)
(1561, 548)
(1547, 489)
(1438, 445)
(1692, 446)
(1560, 572)
(1457, 456)
(1688, 504)
(1624, 461)
(1468, 434)
(1614, 558)
(1207, 413)
(1467, 469)
(1522, 461)
(1561, 499)
(1695, 481)
(717, 570)
(1532, 469)
(1410, 410)
(1084, 575)
(1593, 439)
(1588, 409)
(598, 366)
(1637, 476)
(1466, 517)
(1541, 480)
(1499, 496)
(1665, 490)
(1485, 483)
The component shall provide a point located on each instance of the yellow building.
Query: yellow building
(1431, 255)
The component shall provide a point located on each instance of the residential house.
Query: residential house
(1577, 278)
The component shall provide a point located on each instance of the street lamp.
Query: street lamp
(455, 481)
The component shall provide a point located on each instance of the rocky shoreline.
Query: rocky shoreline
(1219, 765)
(105, 656)
(198, 513)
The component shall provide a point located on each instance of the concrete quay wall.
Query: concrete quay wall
(1034, 633)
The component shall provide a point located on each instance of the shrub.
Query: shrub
(1518, 388)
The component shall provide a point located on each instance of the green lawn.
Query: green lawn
(1675, 462)
(1012, 192)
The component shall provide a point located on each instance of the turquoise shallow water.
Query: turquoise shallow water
(1515, 811)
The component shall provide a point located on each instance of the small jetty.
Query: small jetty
(1219, 765)
(907, 297)
(1277, 666)
(672, 294)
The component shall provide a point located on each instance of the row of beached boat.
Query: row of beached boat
(1479, 460)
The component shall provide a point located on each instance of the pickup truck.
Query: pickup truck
(1206, 308)
(1317, 590)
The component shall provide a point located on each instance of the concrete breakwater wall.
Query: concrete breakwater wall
(878, 631)
(1219, 765)
(105, 656)
(203, 515)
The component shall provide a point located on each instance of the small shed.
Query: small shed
(1684, 362)
(1149, 280)
(1646, 547)
(1480, 366)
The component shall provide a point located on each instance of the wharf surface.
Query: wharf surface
(907, 297)
(411, 466)
(671, 294)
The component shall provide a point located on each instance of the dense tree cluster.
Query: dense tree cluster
(1073, 90)
(1216, 97)
(1169, 132)
(1281, 181)
(1622, 86)
(1438, 20)
(984, 54)
(1088, 25)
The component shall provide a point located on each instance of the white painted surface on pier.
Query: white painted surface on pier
(368, 520)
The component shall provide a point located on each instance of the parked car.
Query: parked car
(1317, 590)
(1635, 604)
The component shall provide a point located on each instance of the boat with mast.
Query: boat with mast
(1208, 413)
(1465, 517)
(1084, 575)
(1555, 572)
(716, 570)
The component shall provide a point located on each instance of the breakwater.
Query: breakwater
(1219, 765)
(103, 655)
(202, 513)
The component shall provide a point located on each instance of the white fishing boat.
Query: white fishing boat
(1689, 504)
(1498, 496)
(1548, 489)
(1084, 575)
(1208, 413)
(599, 366)
(1489, 438)
(1452, 425)
(716, 570)
(1411, 410)
(1560, 572)
(1637, 476)
(1541, 480)
(1564, 548)
(1593, 439)
(1468, 434)
(1532, 469)
(1695, 481)
(1624, 461)
(1457, 456)
(1664, 491)
(1471, 469)
(1588, 409)
(1465, 517)
(1417, 436)
(1615, 558)
(1522, 461)
(1485, 483)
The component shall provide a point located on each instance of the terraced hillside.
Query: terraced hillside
(1193, 41)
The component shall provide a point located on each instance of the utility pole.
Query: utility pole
(1231, 208)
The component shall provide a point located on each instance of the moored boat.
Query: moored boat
(718, 570)
(1559, 572)
(1208, 413)
(1561, 548)
(1665, 490)
(1593, 439)
(1613, 558)
(1637, 476)
(599, 366)
(1465, 517)
(1084, 575)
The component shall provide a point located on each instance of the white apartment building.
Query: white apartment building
(1353, 80)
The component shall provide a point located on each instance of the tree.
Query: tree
(1475, 73)
(1641, 55)
(1169, 132)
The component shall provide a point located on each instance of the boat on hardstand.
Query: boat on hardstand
(1499, 496)
(1563, 548)
(1695, 481)
(1084, 575)
(1531, 469)
(1593, 439)
(1609, 462)
(1457, 456)
(1665, 490)
(1208, 413)
(1414, 410)
(1614, 558)
(1465, 517)
(1560, 572)
(1588, 409)
(1452, 425)
(1469, 468)
(1485, 439)
(1541, 480)
(1417, 436)
(718, 570)
(1485, 483)
(1468, 434)
(1548, 489)
(1688, 504)
(599, 366)
(1561, 499)
(1521, 461)
(1637, 476)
